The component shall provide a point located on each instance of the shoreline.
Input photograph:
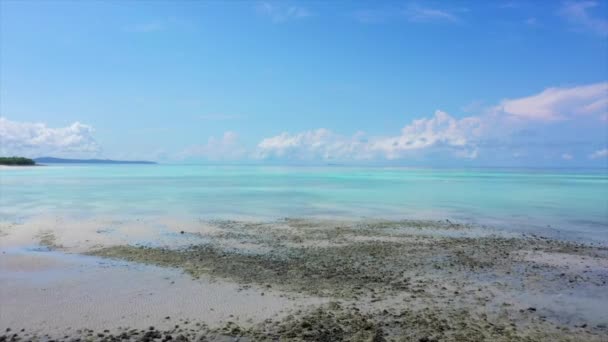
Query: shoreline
(2, 166)
(406, 280)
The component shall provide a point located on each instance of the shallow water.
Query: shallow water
(562, 203)
(90, 292)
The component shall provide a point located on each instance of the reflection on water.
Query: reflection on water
(567, 203)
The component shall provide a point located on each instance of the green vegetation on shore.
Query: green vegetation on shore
(16, 161)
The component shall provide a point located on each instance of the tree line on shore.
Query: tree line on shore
(16, 161)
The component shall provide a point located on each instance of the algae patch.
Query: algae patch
(394, 283)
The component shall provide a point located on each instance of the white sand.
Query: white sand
(83, 234)
(52, 292)
(567, 261)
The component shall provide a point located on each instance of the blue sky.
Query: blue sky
(408, 83)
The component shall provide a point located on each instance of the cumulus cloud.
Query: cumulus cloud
(498, 128)
(603, 153)
(579, 14)
(321, 143)
(279, 12)
(227, 147)
(559, 103)
(441, 131)
(35, 139)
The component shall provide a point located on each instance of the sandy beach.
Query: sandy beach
(296, 279)
(288, 170)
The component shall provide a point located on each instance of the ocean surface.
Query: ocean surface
(570, 204)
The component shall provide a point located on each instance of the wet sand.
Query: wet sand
(298, 279)
(50, 292)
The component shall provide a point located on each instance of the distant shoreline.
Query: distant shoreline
(41, 161)
(12, 166)
(16, 161)
(53, 160)
(17, 165)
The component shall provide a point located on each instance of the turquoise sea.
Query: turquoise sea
(570, 204)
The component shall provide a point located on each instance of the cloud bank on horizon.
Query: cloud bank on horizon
(468, 83)
(461, 138)
(37, 139)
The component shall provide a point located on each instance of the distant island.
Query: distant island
(17, 161)
(52, 160)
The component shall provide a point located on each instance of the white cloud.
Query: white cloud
(559, 103)
(467, 154)
(603, 153)
(321, 143)
(440, 131)
(279, 12)
(496, 127)
(36, 139)
(417, 13)
(227, 147)
(578, 13)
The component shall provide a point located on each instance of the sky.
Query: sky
(424, 83)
